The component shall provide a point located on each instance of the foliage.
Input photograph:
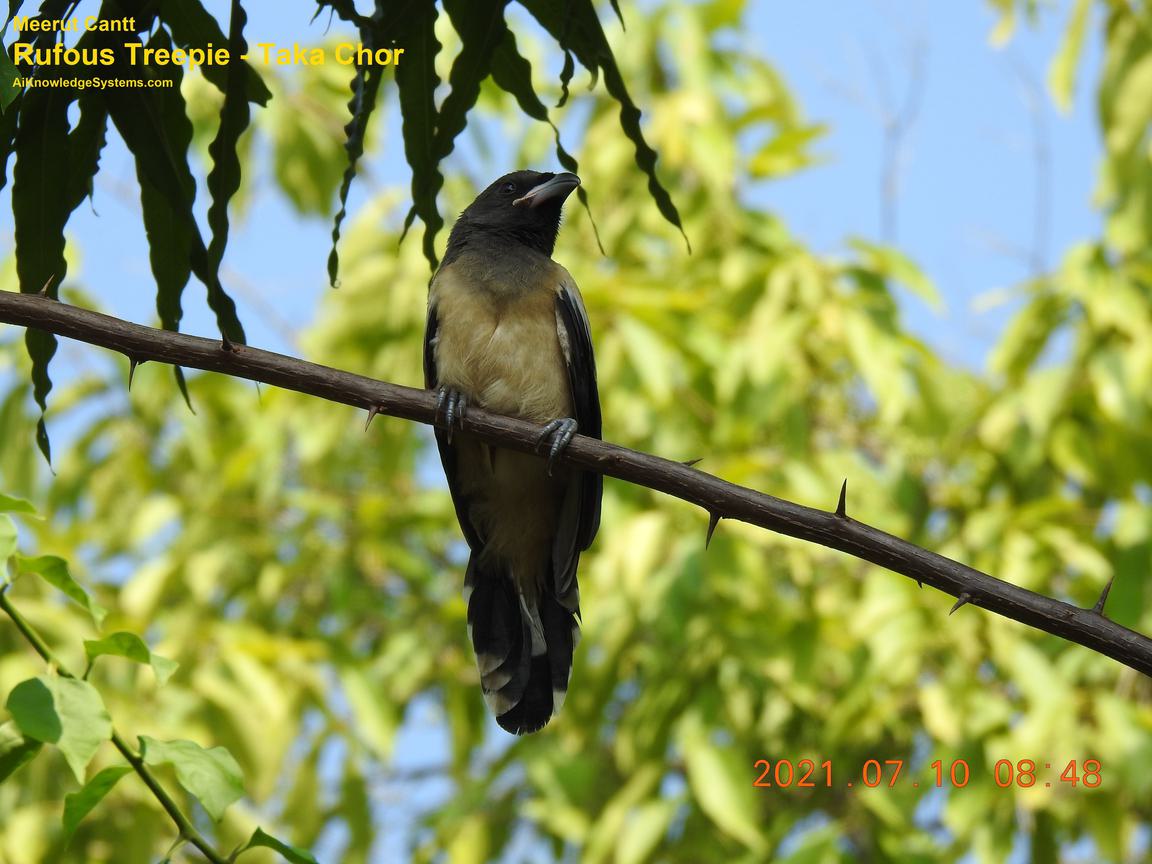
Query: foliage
(56, 161)
(306, 576)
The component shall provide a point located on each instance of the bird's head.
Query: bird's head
(522, 207)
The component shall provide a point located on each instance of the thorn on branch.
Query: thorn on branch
(840, 505)
(44, 291)
(1099, 607)
(692, 462)
(962, 600)
(132, 364)
(713, 521)
(372, 412)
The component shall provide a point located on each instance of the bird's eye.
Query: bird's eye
(508, 188)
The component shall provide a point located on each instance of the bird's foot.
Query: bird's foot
(560, 431)
(451, 407)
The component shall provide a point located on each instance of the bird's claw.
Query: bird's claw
(451, 405)
(561, 432)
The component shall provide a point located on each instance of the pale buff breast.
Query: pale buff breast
(501, 349)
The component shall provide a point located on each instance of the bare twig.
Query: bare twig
(725, 500)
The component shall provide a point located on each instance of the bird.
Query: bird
(507, 331)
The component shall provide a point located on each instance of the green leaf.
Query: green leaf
(416, 82)
(77, 805)
(894, 265)
(54, 571)
(7, 538)
(10, 504)
(131, 647)
(290, 853)
(85, 143)
(154, 125)
(224, 178)
(193, 26)
(365, 86)
(62, 711)
(722, 785)
(212, 776)
(8, 75)
(1062, 72)
(40, 212)
(15, 750)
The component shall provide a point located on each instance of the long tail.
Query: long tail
(524, 654)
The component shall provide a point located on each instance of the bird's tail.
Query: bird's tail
(523, 649)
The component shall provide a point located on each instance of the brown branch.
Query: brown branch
(721, 499)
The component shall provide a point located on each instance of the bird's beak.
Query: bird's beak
(559, 187)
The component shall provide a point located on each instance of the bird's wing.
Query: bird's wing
(447, 451)
(580, 513)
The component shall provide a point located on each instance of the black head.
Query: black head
(520, 208)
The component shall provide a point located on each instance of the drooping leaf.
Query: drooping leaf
(8, 75)
(39, 208)
(1062, 72)
(8, 123)
(85, 143)
(212, 776)
(131, 647)
(193, 26)
(62, 711)
(365, 86)
(293, 854)
(224, 178)
(154, 125)
(416, 82)
(77, 805)
(10, 504)
(15, 750)
(54, 571)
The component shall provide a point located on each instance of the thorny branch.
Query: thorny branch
(723, 500)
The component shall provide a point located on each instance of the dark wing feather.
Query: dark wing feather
(447, 451)
(576, 339)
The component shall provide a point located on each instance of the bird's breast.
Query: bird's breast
(501, 347)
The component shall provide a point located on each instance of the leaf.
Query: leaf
(1062, 72)
(7, 538)
(131, 647)
(365, 86)
(193, 26)
(77, 805)
(212, 776)
(85, 143)
(40, 212)
(54, 571)
(15, 750)
(62, 711)
(154, 125)
(8, 125)
(894, 265)
(224, 178)
(290, 853)
(573, 23)
(8, 75)
(722, 786)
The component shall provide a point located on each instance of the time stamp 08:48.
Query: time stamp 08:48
(1023, 773)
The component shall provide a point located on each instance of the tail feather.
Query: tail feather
(524, 654)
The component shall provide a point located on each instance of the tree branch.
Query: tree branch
(721, 499)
